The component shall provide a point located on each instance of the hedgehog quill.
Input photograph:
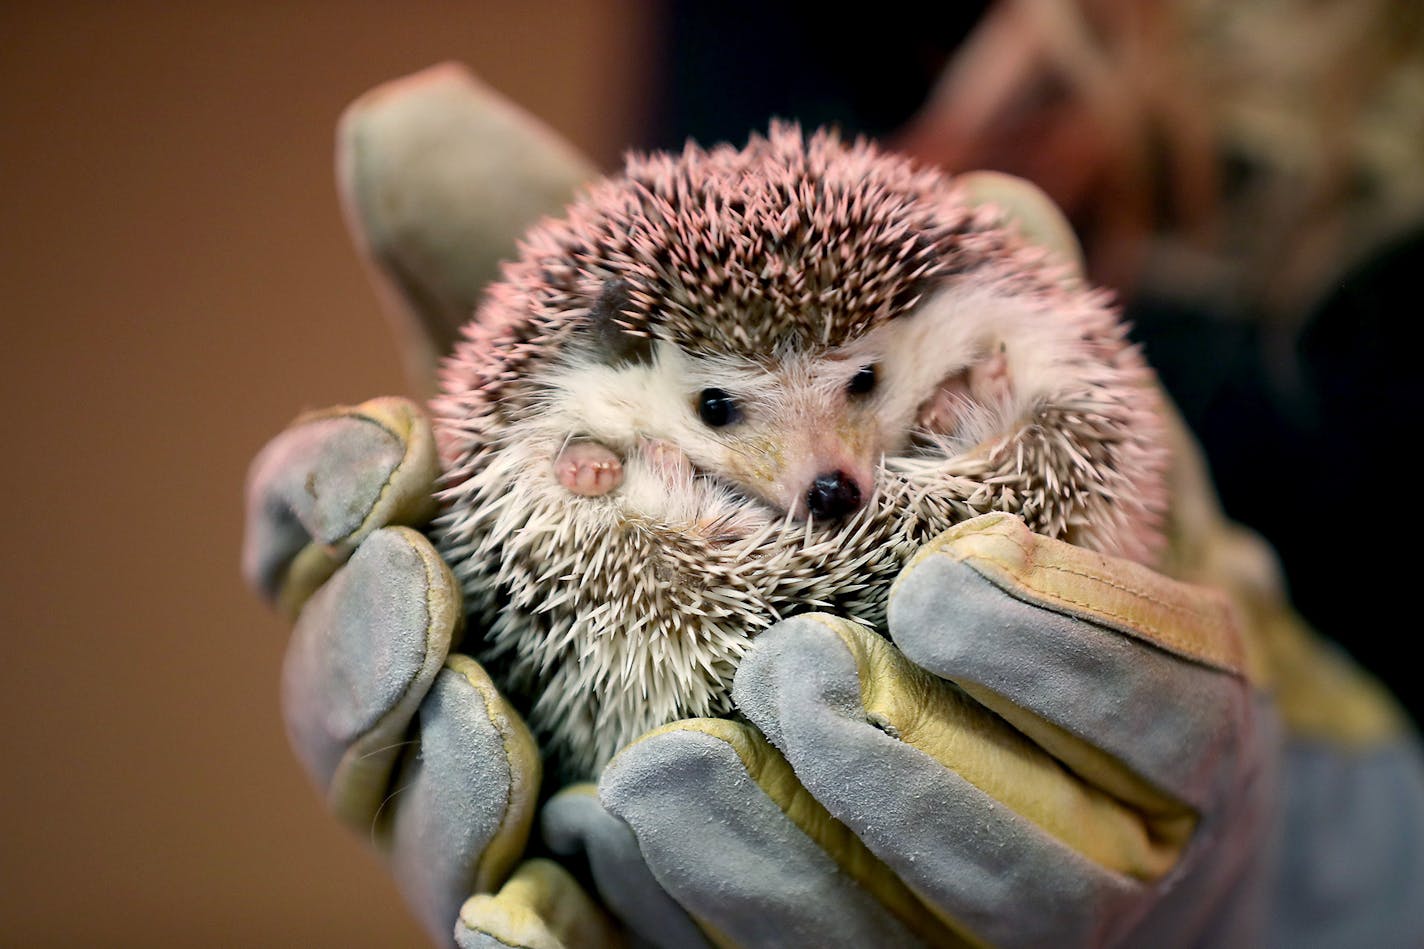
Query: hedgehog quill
(736, 384)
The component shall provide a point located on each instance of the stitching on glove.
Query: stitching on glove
(509, 823)
(359, 752)
(406, 458)
(1226, 659)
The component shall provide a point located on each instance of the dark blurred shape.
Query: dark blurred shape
(1248, 175)
(1237, 154)
(1320, 462)
(177, 285)
(728, 68)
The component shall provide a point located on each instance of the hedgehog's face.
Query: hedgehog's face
(720, 343)
(801, 434)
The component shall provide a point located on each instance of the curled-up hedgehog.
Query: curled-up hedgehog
(732, 385)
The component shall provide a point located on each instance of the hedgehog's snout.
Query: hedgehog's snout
(833, 495)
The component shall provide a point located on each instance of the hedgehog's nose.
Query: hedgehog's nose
(833, 495)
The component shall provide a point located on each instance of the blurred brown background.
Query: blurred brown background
(176, 285)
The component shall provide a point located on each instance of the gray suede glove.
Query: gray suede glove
(1058, 749)
(1064, 750)
(408, 743)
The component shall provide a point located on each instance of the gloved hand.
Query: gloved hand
(1126, 786)
(1065, 749)
(1059, 749)
(409, 743)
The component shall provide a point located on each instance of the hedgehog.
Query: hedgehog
(731, 385)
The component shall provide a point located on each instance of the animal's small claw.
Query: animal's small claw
(588, 469)
(666, 459)
(987, 382)
(943, 411)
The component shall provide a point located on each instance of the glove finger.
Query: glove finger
(1031, 211)
(977, 820)
(326, 482)
(729, 833)
(574, 822)
(541, 907)
(363, 654)
(1138, 683)
(459, 814)
(1361, 806)
(438, 176)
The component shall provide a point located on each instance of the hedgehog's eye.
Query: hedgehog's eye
(717, 408)
(863, 381)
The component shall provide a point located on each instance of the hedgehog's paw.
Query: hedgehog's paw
(666, 460)
(588, 469)
(989, 379)
(959, 397)
(944, 411)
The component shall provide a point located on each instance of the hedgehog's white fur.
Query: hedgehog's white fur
(636, 632)
(617, 613)
(618, 405)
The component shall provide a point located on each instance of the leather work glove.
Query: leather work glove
(1058, 748)
(409, 743)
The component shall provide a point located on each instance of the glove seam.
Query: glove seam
(427, 673)
(407, 456)
(1056, 601)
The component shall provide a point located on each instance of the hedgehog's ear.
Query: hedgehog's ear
(1029, 209)
(616, 337)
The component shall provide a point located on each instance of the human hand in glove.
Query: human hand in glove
(1060, 749)
(1122, 789)
(409, 743)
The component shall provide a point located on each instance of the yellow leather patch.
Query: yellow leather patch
(540, 907)
(765, 765)
(936, 717)
(1197, 623)
(1322, 695)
